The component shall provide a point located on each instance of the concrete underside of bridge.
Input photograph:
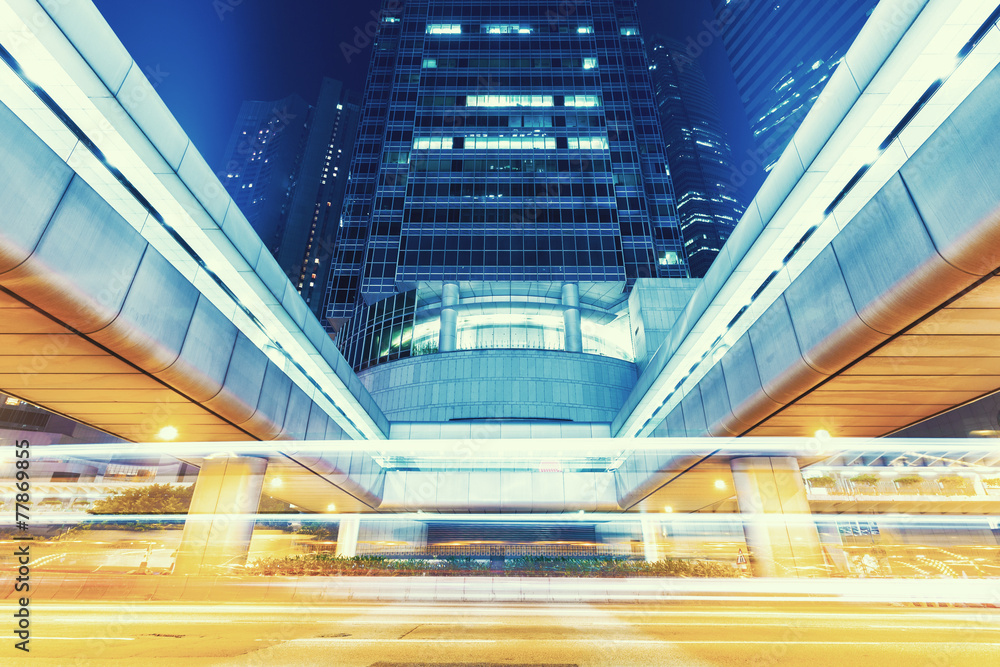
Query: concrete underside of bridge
(894, 320)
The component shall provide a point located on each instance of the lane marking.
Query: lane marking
(458, 623)
(351, 640)
(92, 639)
(402, 610)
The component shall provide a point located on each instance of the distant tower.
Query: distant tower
(286, 168)
(783, 54)
(701, 163)
(261, 160)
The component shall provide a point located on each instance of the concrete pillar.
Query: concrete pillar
(571, 317)
(781, 536)
(651, 539)
(977, 485)
(347, 537)
(221, 518)
(448, 338)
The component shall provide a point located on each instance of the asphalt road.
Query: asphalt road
(688, 634)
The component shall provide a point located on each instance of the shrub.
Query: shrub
(325, 564)
(866, 479)
(823, 482)
(953, 482)
(992, 483)
(909, 480)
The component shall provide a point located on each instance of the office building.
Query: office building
(701, 161)
(509, 175)
(261, 159)
(286, 169)
(783, 54)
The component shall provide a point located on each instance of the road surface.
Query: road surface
(686, 634)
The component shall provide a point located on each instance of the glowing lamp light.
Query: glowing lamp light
(719, 484)
(167, 433)
(822, 434)
(331, 508)
(668, 509)
(276, 482)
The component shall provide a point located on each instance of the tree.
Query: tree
(152, 499)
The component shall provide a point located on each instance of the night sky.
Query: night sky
(210, 55)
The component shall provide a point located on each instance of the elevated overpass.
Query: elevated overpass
(859, 294)
(742, 490)
(134, 295)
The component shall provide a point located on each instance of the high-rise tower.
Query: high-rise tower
(286, 169)
(508, 151)
(261, 160)
(783, 54)
(701, 162)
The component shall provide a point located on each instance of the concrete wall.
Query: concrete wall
(653, 308)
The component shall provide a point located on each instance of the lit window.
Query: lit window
(585, 30)
(629, 32)
(588, 143)
(444, 29)
(590, 63)
(509, 101)
(583, 101)
(430, 63)
(669, 258)
(432, 143)
(506, 29)
(390, 19)
(510, 143)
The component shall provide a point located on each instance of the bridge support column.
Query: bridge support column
(781, 537)
(221, 518)
(571, 317)
(651, 539)
(347, 537)
(448, 338)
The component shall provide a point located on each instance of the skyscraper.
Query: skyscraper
(261, 159)
(701, 161)
(508, 151)
(782, 54)
(286, 168)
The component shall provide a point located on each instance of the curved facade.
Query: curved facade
(490, 316)
(501, 384)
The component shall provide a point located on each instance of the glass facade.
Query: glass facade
(701, 161)
(409, 325)
(504, 141)
(782, 55)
